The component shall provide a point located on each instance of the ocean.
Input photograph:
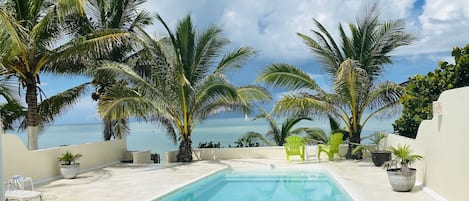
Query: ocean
(149, 136)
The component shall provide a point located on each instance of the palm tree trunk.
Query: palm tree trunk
(185, 150)
(32, 121)
(355, 138)
(108, 130)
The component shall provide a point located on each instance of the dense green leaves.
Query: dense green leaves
(422, 90)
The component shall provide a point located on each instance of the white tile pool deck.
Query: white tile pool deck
(126, 182)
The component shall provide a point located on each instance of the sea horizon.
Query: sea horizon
(150, 136)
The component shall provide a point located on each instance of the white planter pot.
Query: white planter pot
(70, 171)
(401, 182)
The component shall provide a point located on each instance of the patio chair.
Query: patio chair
(15, 189)
(332, 146)
(295, 145)
(22, 195)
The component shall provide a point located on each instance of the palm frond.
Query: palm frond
(254, 137)
(314, 135)
(56, 105)
(121, 102)
(235, 59)
(302, 105)
(12, 113)
(95, 45)
(288, 76)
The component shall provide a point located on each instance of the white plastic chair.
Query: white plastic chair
(17, 192)
(22, 195)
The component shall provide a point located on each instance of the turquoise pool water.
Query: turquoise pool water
(272, 185)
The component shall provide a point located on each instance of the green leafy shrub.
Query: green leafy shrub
(68, 158)
(422, 90)
(209, 145)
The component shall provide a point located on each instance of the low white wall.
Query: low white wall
(42, 164)
(443, 142)
(273, 152)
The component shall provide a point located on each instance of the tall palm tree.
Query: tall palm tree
(33, 40)
(276, 133)
(115, 14)
(354, 66)
(183, 83)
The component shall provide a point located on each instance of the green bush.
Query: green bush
(422, 90)
(209, 145)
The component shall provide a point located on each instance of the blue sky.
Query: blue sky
(270, 26)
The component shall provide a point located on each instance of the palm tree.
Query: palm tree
(183, 83)
(354, 67)
(122, 15)
(32, 42)
(276, 133)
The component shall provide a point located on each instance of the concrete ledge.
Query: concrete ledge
(271, 152)
(140, 157)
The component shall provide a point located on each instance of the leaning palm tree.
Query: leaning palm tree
(30, 32)
(354, 67)
(183, 83)
(276, 133)
(122, 15)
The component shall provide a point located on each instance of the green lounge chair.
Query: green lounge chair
(295, 145)
(332, 146)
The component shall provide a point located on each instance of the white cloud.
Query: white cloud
(442, 26)
(271, 25)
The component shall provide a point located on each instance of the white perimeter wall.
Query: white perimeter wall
(443, 141)
(274, 152)
(42, 164)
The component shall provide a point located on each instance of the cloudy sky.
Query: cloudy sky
(270, 26)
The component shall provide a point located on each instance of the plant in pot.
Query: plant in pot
(378, 156)
(68, 167)
(402, 179)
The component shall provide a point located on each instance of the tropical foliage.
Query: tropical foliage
(252, 139)
(181, 82)
(422, 90)
(209, 145)
(29, 35)
(68, 158)
(354, 66)
(403, 156)
(127, 16)
(276, 134)
(318, 135)
(374, 145)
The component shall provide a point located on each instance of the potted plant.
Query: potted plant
(68, 167)
(402, 179)
(378, 156)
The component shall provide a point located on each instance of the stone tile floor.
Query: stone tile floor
(128, 182)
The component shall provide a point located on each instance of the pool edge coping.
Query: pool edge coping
(182, 185)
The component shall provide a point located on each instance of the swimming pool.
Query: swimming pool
(271, 185)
